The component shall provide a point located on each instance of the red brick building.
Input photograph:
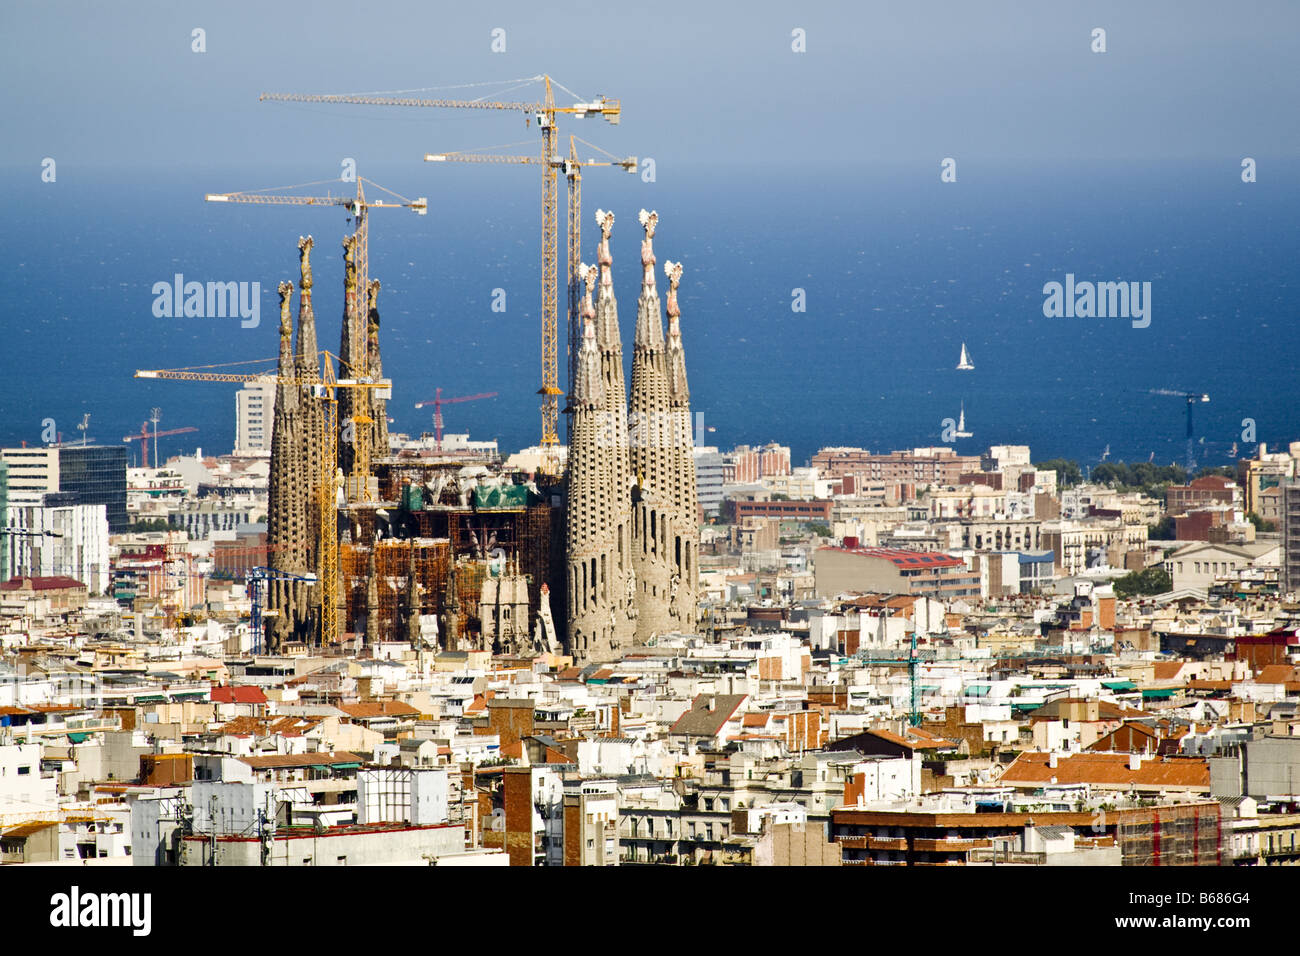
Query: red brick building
(1203, 492)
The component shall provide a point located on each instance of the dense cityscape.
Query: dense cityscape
(873, 449)
(913, 658)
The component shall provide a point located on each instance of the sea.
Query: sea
(820, 306)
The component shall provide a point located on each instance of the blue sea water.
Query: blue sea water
(897, 270)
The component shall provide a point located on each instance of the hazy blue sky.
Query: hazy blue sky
(880, 83)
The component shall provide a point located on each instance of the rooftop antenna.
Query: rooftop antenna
(85, 424)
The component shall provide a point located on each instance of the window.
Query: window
(24, 771)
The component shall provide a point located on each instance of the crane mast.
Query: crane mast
(572, 168)
(356, 307)
(550, 390)
(573, 173)
(545, 113)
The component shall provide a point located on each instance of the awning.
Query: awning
(151, 699)
(978, 690)
(78, 737)
(1119, 685)
(344, 766)
(1158, 693)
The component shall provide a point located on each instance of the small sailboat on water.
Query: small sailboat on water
(961, 431)
(965, 363)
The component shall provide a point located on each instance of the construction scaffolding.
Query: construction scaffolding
(1178, 835)
(393, 558)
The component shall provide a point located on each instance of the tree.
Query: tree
(1153, 580)
(1068, 472)
(1260, 524)
(149, 524)
(1162, 530)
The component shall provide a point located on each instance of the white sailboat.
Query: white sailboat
(961, 431)
(965, 363)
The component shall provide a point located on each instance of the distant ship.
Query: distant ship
(965, 363)
(1105, 454)
(961, 431)
(1232, 452)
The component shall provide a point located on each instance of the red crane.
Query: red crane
(145, 435)
(438, 401)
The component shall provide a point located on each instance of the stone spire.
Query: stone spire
(413, 591)
(379, 447)
(312, 414)
(650, 452)
(451, 610)
(286, 506)
(591, 544)
(589, 387)
(618, 516)
(683, 587)
(348, 399)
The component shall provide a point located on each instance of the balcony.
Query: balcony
(950, 845)
(1007, 857)
(898, 844)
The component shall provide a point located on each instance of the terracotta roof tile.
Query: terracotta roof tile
(370, 709)
(238, 695)
(1108, 768)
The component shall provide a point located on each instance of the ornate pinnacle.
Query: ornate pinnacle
(286, 325)
(304, 260)
(373, 288)
(603, 256)
(350, 264)
(649, 220)
(673, 270)
(588, 273)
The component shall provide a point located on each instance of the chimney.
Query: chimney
(1135, 761)
(1051, 760)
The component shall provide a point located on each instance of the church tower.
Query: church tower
(286, 506)
(613, 438)
(591, 547)
(632, 535)
(379, 444)
(311, 437)
(684, 582)
(651, 459)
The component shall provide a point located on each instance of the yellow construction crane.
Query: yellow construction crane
(323, 390)
(572, 168)
(545, 113)
(358, 299)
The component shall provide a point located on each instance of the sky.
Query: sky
(878, 84)
(808, 134)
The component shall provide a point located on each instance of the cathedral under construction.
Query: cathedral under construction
(446, 552)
